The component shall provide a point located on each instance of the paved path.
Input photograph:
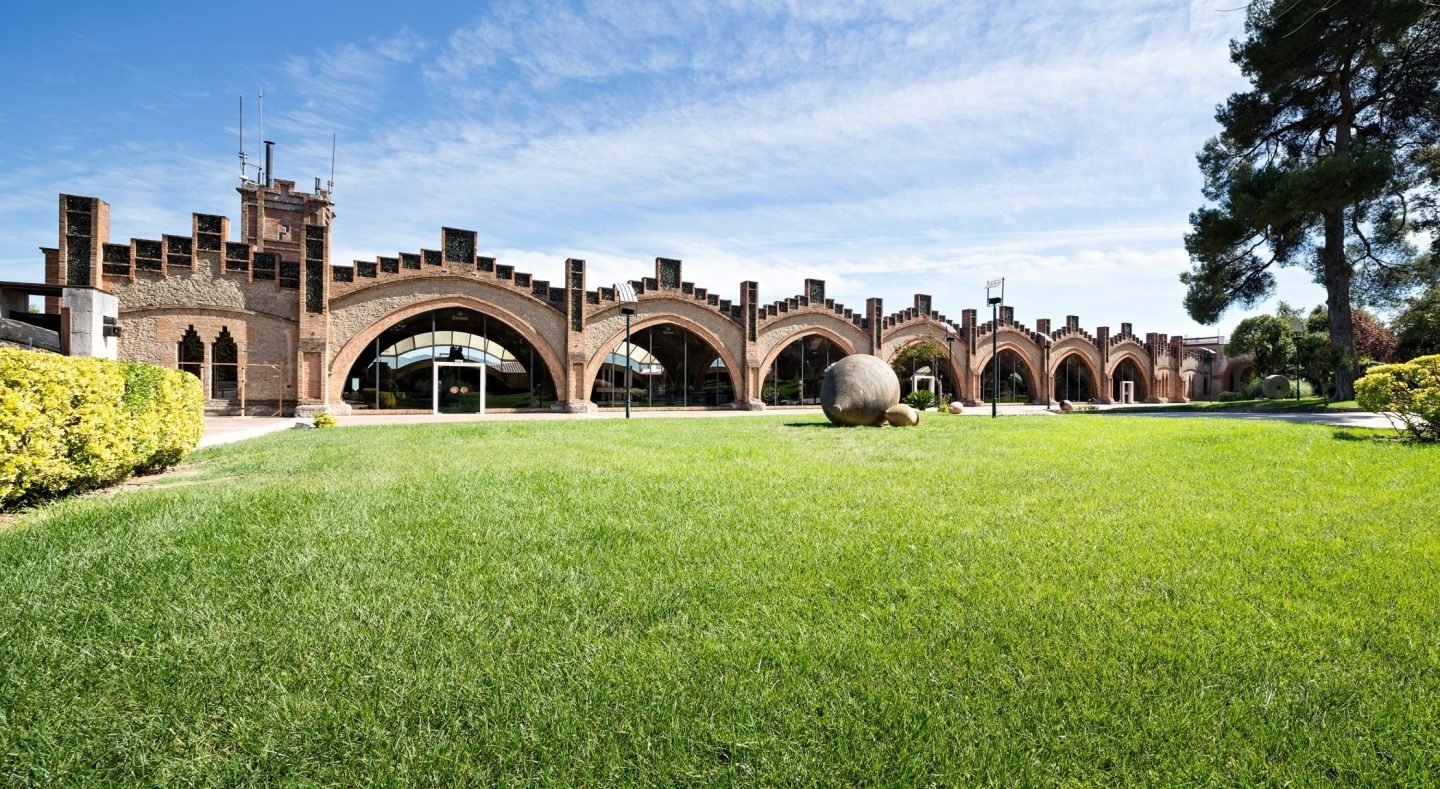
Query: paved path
(1338, 418)
(227, 429)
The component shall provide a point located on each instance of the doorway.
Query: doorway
(459, 388)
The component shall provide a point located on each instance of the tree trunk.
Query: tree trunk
(1337, 301)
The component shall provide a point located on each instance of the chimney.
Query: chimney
(269, 163)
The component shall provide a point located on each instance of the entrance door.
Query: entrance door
(459, 388)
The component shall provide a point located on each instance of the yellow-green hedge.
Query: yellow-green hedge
(72, 423)
(1408, 393)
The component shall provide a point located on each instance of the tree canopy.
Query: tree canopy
(1417, 327)
(1327, 162)
(1267, 339)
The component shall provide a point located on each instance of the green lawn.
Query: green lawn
(768, 600)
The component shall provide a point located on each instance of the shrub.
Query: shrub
(920, 399)
(1229, 397)
(73, 423)
(325, 420)
(1407, 393)
(387, 399)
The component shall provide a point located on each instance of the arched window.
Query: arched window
(1015, 385)
(191, 353)
(225, 368)
(798, 371)
(1073, 381)
(665, 365)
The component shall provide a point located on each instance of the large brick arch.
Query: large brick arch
(809, 331)
(603, 348)
(345, 358)
(775, 335)
(1136, 353)
(1027, 349)
(895, 343)
(1088, 356)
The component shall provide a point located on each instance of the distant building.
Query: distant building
(271, 324)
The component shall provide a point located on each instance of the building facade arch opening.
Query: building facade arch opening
(665, 364)
(1074, 378)
(448, 360)
(795, 371)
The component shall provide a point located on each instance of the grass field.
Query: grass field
(768, 600)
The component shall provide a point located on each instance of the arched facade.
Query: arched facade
(289, 313)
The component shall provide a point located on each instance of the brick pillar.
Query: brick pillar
(1102, 344)
(874, 324)
(572, 400)
(752, 377)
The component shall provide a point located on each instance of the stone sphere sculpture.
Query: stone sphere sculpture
(1275, 387)
(956, 407)
(902, 415)
(857, 390)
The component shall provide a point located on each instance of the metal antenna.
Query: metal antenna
(242, 138)
(261, 176)
(330, 185)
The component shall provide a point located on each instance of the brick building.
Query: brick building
(270, 323)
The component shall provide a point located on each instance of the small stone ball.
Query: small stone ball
(902, 415)
(956, 407)
(1067, 406)
(857, 390)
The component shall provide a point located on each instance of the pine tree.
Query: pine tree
(1321, 163)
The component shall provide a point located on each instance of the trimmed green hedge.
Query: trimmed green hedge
(1408, 392)
(74, 423)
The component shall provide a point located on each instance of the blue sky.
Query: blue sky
(887, 148)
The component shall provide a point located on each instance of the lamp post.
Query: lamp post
(995, 302)
(1297, 328)
(626, 295)
(1049, 374)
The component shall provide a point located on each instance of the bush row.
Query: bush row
(1408, 393)
(73, 423)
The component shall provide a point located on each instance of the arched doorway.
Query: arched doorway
(795, 376)
(925, 365)
(669, 366)
(1128, 375)
(1073, 380)
(449, 360)
(1015, 383)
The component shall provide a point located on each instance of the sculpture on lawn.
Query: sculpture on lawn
(857, 390)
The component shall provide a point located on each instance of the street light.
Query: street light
(626, 295)
(1049, 374)
(995, 302)
(1297, 328)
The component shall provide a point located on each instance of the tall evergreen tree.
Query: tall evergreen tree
(1325, 162)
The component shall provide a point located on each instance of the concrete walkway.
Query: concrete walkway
(227, 429)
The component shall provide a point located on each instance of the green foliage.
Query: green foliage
(1417, 327)
(921, 399)
(324, 420)
(1267, 339)
(1317, 165)
(1229, 397)
(387, 398)
(924, 353)
(1408, 393)
(75, 423)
